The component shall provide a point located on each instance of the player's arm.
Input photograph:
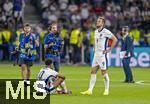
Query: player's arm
(61, 76)
(59, 79)
(114, 41)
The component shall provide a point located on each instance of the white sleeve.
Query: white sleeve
(53, 72)
(108, 34)
(39, 75)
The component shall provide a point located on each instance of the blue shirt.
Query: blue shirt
(37, 37)
(127, 45)
(27, 42)
(18, 5)
(53, 51)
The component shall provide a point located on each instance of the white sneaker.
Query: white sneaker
(86, 92)
(106, 92)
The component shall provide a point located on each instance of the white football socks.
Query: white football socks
(106, 81)
(92, 82)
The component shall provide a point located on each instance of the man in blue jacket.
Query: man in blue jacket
(53, 44)
(128, 48)
(27, 46)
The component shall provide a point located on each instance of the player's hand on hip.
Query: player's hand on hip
(125, 56)
(106, 51)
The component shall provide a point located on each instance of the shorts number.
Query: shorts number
(103, 63)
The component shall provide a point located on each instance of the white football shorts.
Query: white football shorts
(100, 60)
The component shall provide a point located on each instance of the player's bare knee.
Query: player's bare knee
(104, 72)
(23, 66)
(62, 77)
(93, 72)
(28, 69)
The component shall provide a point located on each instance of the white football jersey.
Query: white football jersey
(101, 39)
(46, 73)
(48, 76)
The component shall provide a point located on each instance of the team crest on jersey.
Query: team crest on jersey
(100, 35)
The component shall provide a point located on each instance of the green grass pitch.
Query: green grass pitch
(77, 80)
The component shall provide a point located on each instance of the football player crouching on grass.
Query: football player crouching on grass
(52, 79)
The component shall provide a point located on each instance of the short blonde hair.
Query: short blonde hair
(103, 18)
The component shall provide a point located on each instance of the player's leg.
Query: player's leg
(103, 62)
(56, 65)
(93, 78)
(59, 79)
(92, 81)
(106, 81)
(63, 86)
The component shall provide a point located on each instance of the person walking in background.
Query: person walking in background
(75, 43)
(128, 50)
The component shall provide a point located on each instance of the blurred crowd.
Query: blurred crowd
(11, 13)
(134, 13)
(11, 17)
(76, 19)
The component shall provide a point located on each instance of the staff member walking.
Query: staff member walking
(127, 47)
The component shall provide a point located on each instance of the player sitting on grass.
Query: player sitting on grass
(52, 79)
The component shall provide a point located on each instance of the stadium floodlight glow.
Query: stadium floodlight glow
(21, 88)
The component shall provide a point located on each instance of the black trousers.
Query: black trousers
(76, 54)
(127, 69)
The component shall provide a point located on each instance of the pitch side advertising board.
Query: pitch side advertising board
(141, 58)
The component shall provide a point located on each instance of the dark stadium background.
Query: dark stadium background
(80, 15)
(71, 16)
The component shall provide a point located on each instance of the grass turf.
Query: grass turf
(77, 80)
